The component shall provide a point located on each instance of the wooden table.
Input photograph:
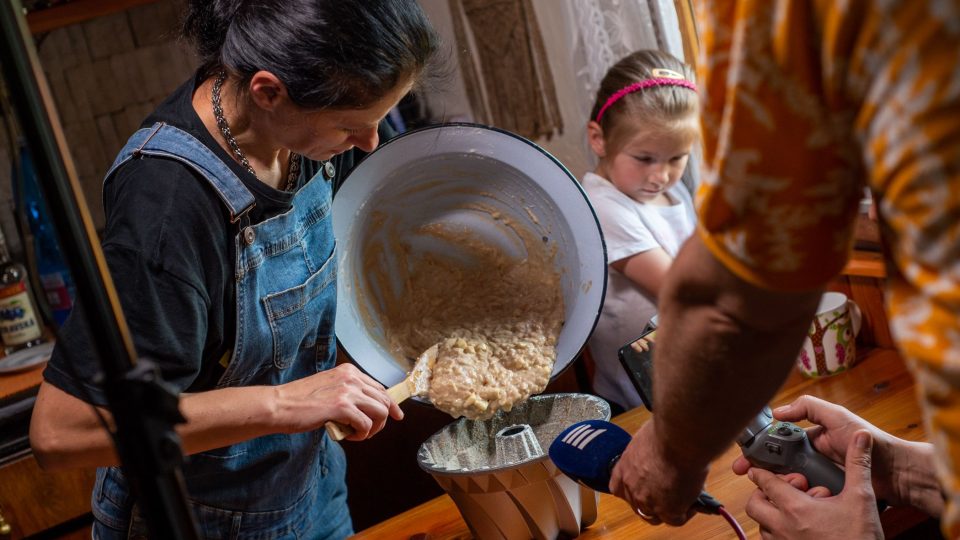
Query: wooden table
(21, 381)
(879, 389)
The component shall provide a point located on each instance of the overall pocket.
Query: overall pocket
(302, 316)
(112, 501)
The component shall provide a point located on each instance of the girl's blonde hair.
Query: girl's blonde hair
(663, 107)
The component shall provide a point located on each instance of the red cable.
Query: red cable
(733, 523)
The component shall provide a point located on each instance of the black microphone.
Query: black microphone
(587, 452)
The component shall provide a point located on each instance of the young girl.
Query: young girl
(643, 125)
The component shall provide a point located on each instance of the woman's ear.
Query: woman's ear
(595, 138)
(266, 90)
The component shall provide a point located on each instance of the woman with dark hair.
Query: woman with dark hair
(219, 240)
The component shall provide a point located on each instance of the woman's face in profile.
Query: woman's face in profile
(322, 134)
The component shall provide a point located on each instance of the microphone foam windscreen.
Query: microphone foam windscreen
(586, 451)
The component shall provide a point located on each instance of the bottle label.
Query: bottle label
(18, 321)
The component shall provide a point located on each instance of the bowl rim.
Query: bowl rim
(551, 157)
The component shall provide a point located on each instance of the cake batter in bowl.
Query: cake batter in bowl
(474, 239)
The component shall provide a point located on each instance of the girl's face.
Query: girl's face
(649, 162)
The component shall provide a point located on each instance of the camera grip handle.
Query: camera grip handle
(820, 471)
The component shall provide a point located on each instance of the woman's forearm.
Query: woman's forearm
(66, 433)
(226, 416)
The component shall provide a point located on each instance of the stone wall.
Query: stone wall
(106, 75)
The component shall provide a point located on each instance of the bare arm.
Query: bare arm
(65, 432)
(723, 348)
(917, 475)
(722, 342)
(647, 270)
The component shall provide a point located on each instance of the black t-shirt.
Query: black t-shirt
(169, 244)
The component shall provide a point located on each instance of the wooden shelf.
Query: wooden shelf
(866, 264)
(22, 381)
(76, 12)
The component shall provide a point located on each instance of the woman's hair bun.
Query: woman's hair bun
(205, 24)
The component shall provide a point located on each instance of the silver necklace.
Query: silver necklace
(293, 168)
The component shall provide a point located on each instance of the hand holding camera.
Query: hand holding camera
(783, 448)
(891, 458)
(878, 467)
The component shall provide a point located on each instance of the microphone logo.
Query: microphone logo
(586, 452)
(581, 436)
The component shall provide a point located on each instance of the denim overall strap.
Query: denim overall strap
(166, 141)
(280, 485)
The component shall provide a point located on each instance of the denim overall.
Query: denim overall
(275, 486)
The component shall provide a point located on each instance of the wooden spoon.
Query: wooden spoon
(416, 383)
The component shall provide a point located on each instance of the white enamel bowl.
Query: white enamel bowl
(429, 176)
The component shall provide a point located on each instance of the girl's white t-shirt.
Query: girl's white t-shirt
(630, 227)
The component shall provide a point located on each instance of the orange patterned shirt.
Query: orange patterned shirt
(807, 102)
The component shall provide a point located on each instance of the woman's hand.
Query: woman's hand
(785, 512)
(344, 394)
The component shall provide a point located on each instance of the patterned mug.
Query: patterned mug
(830, 346)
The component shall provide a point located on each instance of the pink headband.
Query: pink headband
(637, 86)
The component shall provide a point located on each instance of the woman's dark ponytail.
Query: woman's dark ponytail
(329, 53)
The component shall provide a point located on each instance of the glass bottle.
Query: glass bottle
(19, 325)
(55, 278)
